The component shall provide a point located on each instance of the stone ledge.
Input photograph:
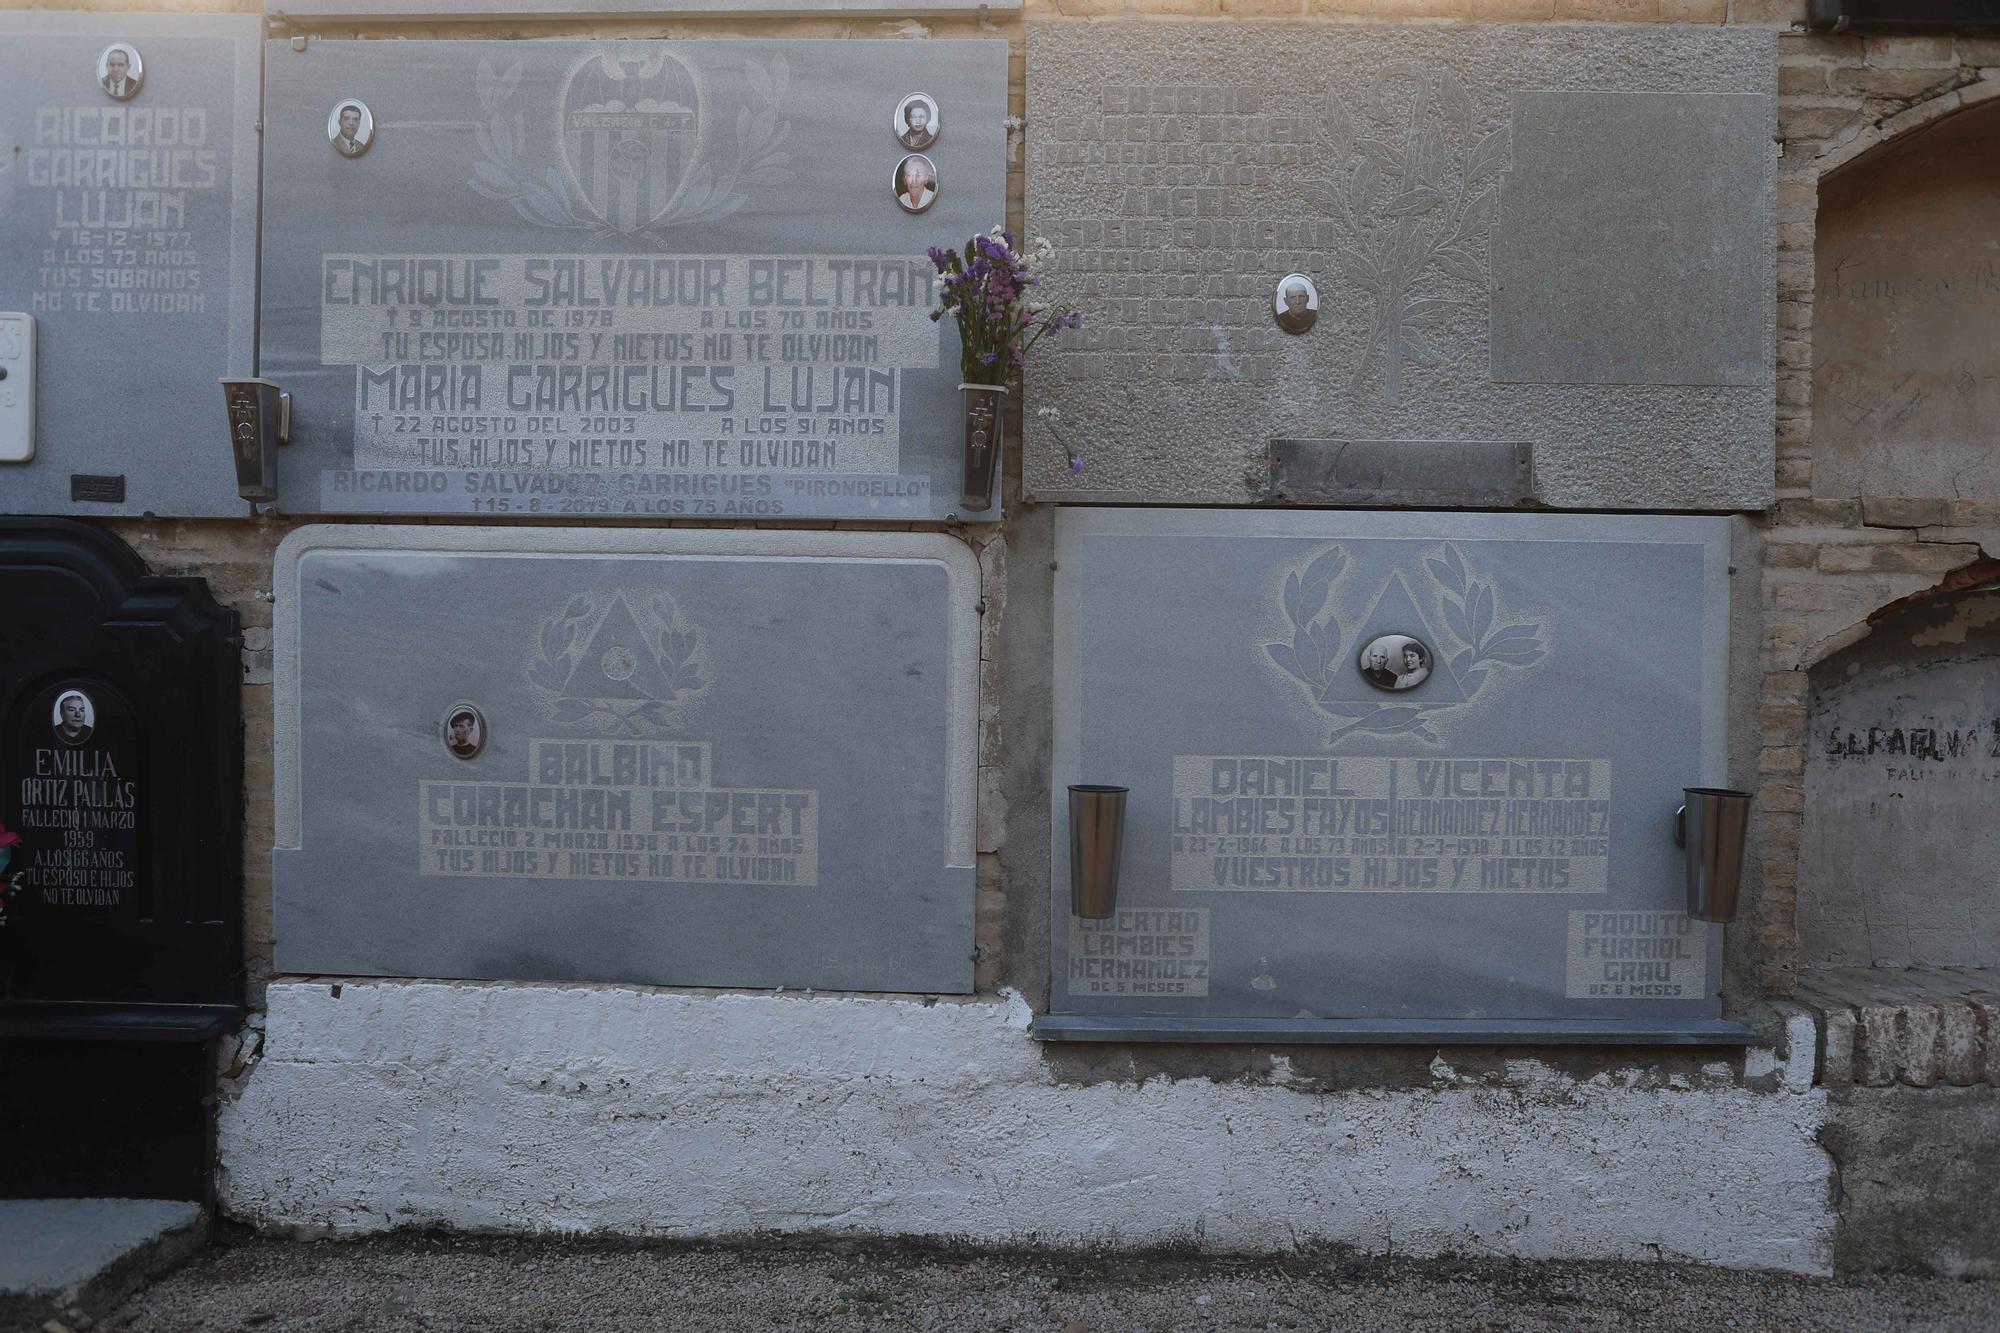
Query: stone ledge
(1918, 1026)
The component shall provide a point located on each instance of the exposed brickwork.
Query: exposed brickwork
(1829, 564)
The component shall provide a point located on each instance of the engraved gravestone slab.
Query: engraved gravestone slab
(1482, 830)
(128, 229)
(1465, 272)
(705, 758)
(679, 277)
(121, 746)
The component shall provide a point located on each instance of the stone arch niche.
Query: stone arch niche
(1906, 317)
(1899, 864)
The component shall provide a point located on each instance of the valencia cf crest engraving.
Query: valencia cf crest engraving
(641, 141)
(1351, 643)
(619, 662)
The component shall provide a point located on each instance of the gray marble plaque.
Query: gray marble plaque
(621, 278)
(1681, 182)
(1493, 840)
(1458, 247)
(128, 229)
(694, 757)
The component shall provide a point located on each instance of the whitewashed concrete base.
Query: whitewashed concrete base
(601, 1109)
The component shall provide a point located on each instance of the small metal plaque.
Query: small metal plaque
(1486, 473)
(91, 489)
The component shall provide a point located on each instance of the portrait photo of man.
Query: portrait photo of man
(120, 72)
(916, 183)
(464, 734)
(351, 128)
(1297, 306)
(75, 717)
(1375, 665)
(917, 121)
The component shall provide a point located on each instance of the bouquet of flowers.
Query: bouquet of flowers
(986, 289)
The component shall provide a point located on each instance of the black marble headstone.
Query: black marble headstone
(121, 779)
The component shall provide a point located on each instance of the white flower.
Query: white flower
(1013, 123)
(1048, 412)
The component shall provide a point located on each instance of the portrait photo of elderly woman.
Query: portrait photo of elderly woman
(916, 183)
(75, 717)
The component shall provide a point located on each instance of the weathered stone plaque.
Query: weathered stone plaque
(677, 278)
(128, 229)
(708, 758)
(1482, 274)
(1406, 766)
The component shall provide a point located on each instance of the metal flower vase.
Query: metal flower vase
(1096, 838)
(983, 409)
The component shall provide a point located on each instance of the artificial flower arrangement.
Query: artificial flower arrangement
(987, 289)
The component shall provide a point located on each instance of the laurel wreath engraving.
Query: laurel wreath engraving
(565, 637)
(705, 195)
(1416, 202)
(1471, 614)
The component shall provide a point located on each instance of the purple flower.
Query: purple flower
(1075, 465)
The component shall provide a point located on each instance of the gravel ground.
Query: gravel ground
(415, 1281)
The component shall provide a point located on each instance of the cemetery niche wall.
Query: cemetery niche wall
(1413, 776)
(1900, 853)
(679, 278)
(690, 757)
(1396, 264)
(128, 232)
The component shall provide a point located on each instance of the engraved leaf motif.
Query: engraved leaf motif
(1359, 270)
(1367, 177)
(490, 181)
(1507, 634)
(1429, 308)
(1459, 264)
(577, 607)
(571, 710)
(1452, 101)
(1294, 594)
(1478, 213)
(1388, 155)
(1516, 654)
(1409, 202)
(1456, 564)
(1487, 157)
(1481, 610)
(1423, 349)
(1454, 619)
(1287, 660)
(1321, 196)
(1326, 566)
